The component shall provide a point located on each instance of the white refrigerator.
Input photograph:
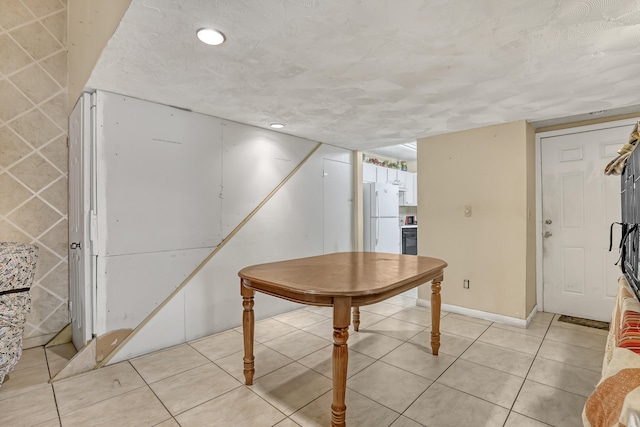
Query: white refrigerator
(381, 218)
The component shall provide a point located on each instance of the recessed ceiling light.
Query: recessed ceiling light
(276, 125)
(210, 36)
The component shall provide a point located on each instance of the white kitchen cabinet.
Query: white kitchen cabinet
(402, 177)
(369, 172)
(410, 196)
(381, 174)
(392, 175)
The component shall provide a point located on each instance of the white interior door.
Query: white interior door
(578, 204)
(338, 206)
(79, 206)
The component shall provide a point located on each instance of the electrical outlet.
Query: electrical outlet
(465, 283)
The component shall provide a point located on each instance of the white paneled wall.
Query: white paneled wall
(161, 174)
(255, 161)
(138, 283)
(290, 225)
(175, 184)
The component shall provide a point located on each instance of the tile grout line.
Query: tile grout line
(525, 378)
(311, 369)
(53, 390)
(153, 391)
(448, 367)
(241, 383)
(459, 358)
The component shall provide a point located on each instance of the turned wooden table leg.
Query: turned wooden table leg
(247, 332)
(356, 319)
(341, 318)
(435, 315)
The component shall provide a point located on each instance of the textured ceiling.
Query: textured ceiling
(364, 74)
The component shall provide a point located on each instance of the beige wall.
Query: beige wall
(91, 25)
(491, 170)
(33, 152)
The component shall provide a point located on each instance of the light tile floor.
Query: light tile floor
(487, 374)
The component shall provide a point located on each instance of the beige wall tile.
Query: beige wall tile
(34, 217)
(35, 172)
(35, 128)
(12, 148)
(35, 83)
(56, 195)
(57, 321)
(41, 8)
(57, 25)
(23, 82)
(36, 40)
(57, 238)
(11, 234)
(56, 109)
(57, 280)
(14, 193)
(43, 303)
(57, 153)
(12, 58)
(13, 102)
(13, 14)
(56, 66)
(46, 261)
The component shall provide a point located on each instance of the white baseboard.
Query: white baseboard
(485, 315)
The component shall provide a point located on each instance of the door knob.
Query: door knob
(548, 222)
(547, 234)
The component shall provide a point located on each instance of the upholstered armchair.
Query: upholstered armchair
(17, 269)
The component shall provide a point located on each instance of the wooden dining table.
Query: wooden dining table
(345, 281)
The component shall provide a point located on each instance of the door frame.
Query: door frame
(79, 205)
(539, 137)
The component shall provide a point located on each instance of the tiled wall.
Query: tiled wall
(33, 150)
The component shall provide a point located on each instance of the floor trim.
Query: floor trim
(485, 315)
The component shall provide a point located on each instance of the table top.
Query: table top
(366, 277)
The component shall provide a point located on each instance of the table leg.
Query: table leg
(341, 319)
(247, 332)
(435, 315)
(356, 319)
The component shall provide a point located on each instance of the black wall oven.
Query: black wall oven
(410, 241)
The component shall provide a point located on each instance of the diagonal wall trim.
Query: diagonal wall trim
(115, 351)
